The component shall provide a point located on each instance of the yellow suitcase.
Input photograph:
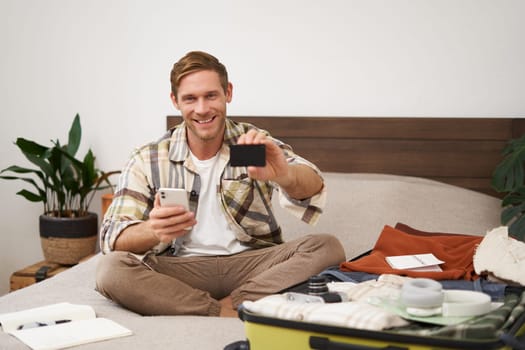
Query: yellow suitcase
(266, 333)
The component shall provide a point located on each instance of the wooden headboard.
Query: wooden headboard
(458, 151)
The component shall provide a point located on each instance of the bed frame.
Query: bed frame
(458, 151)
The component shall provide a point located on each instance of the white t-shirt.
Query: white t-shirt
(212, 234)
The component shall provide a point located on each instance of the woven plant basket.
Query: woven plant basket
(67, 240)
(67, 251)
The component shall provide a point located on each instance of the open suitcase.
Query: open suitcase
(272, 333)
(264, 333)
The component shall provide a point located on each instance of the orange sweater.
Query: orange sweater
(456, 251)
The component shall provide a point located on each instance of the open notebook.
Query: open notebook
(59, 326)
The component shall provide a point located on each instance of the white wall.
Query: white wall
(109, 60)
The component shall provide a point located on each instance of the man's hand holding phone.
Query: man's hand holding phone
(170, 217)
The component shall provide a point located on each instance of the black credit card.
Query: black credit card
(248, 155)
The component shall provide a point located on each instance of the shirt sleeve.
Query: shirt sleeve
(132, 202)
(310, 209)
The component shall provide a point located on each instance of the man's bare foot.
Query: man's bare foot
(227, 309)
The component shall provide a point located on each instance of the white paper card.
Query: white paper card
(414, 261)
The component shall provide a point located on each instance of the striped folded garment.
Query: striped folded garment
(353, 314)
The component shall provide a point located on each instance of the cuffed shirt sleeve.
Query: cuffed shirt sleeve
(132, 202)
(310, 209)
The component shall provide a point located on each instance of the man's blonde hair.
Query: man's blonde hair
(195, 61)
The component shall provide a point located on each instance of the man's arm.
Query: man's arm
(164, 225)
(136, 238)
(299, 181)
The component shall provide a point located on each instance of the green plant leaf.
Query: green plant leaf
(509, 174)
(511, 212)
(75, 134)
(17, 169)
(514, 198)
(104, 177)
(31, 181)
(89, 173)
(20, 170)
(30, 147)
(66, 181)
(26, 179)
(30, 196)
(36, 154)
(517, 229)
(55, 156)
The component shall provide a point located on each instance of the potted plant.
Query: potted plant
(66, 186)
(509, 178)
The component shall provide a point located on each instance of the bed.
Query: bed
(431, 173)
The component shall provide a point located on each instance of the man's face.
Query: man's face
(202, 103)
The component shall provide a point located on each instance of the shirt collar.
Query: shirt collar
(179, 150)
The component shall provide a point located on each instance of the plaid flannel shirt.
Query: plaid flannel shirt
(246, 203)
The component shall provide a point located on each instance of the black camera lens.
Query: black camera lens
(317, 285)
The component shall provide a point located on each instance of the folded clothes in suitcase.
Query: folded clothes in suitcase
(502, 328)
(373, 321)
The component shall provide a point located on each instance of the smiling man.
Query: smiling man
(227, 246)
(202, 100)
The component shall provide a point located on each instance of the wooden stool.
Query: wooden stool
(35, 273)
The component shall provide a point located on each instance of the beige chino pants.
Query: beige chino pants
(169, 285)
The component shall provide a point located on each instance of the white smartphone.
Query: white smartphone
(170, 197)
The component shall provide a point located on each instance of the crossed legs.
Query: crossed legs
(167, 285)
